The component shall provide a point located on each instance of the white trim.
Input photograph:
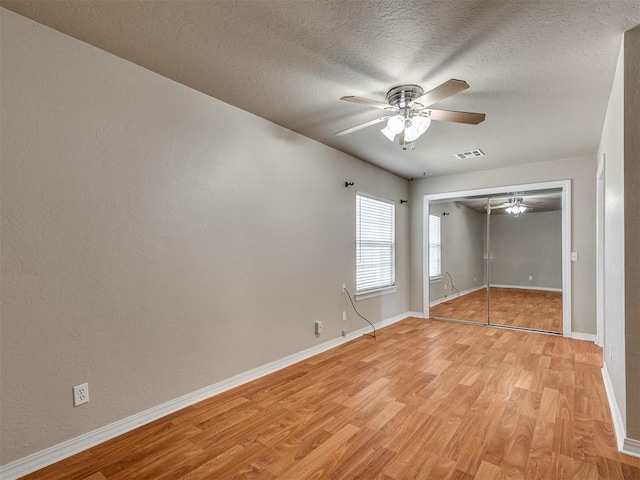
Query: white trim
(626, 445)
(567, 267)
(566, 237)
(528, 287)
(51, 455)
(618, 424)
(376, 293)
(416, 314)
(462, 293)
(631, 447)
(583, 336)
(600, 251)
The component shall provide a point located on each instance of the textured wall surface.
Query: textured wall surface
(581, 170)
(632, 225)
(612, 149)
(527, 245)
(156, 240)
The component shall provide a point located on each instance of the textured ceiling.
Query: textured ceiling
(540, 70)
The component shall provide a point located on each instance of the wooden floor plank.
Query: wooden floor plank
(426, 400)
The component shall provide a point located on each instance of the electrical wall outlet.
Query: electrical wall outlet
(318, 327)
(344, 333)
(80, 394)
(344, 288)
(445, 286)
(475, 279)
(530, 277)
(344, 316)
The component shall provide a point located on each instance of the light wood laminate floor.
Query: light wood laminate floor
(426, 400)
(515, 307)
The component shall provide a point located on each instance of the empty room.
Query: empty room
(319, 239)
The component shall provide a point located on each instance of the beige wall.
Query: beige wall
(156, 240)
(632, 225)
(581, 170)
(524, 246)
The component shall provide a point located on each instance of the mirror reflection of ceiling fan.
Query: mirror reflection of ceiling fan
(515, 206)
(408, 111)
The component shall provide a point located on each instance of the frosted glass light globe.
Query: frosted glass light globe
(396, 124)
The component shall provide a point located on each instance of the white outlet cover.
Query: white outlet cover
(80, 394)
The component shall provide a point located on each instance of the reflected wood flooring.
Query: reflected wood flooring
(426, 400)
(514, 307)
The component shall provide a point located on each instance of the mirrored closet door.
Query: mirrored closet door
(525, 261)
(497, 260)
(458, 287)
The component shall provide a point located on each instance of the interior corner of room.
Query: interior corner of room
(161, 245)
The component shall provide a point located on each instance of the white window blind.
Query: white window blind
(435, 247)
(375, 244)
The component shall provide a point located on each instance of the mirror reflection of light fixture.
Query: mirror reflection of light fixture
(516, 209)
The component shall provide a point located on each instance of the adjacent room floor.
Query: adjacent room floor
(514, 307)
(427, 399)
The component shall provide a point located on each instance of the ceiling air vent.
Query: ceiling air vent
(470, 154)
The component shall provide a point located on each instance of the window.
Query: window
(375, 244)
(435, 248)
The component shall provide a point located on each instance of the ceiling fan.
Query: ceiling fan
(408, 112)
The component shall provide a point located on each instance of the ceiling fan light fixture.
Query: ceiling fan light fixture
(395, 124)
(388, 133)
(418, 126)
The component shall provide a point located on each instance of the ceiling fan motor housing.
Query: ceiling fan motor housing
(402, 95)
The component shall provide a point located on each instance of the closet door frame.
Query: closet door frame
(565, 185)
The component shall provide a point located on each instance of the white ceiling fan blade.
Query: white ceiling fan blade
(457, 117)
(362, 125)
(367, 102)
(448, 88)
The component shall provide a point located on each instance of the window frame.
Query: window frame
(387, 287)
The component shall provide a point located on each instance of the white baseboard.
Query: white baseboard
(43, 458)
(583, 336)
(631, 447)
(462, 293)
(626, 445)
(528, 287)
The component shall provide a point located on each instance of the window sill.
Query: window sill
(435, 279)
(376, 293)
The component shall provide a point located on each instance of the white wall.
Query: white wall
(612, 146)
(581, 170)
(156, 240)
(529, 245)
